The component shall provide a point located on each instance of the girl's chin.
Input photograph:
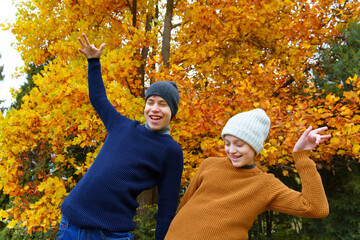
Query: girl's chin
(236, 164)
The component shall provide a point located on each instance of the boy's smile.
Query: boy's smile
(157, 112)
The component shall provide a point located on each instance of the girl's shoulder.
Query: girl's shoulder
(214, 161)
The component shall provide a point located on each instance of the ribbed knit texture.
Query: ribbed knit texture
(252, 127)
(223, 201)
(132, 159)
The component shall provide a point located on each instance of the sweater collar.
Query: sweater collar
(248, 166)
(165, 130)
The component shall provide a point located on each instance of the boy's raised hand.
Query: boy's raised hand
(310, 139)
(90, 51)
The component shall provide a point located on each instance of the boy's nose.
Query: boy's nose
(155, 108)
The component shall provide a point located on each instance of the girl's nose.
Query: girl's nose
(232, 149)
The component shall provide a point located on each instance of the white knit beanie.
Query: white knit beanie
(252, 127)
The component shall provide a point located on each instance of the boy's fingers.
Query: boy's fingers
(102, 46)
(86, 39)
(81, 42)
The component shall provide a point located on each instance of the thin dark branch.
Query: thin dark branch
(175, 25)
(287, 83)
(130, 6)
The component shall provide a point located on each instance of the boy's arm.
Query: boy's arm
(169, 187)
(97, 92)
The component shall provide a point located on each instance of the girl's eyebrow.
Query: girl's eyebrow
(239, 141)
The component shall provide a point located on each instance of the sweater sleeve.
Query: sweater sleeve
(97, 94)
(311, 202)
(169, 187)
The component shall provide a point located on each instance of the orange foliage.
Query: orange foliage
(226, 57)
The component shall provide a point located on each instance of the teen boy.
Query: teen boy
(133, 158)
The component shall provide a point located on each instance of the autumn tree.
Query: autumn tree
(225, 56)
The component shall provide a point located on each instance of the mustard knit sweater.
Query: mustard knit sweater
(223, 201)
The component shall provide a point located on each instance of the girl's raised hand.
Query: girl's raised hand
(310, 139)
(90, 51)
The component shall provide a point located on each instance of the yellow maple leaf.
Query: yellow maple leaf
(12, 223)
(356, 148)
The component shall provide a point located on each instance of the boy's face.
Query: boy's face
(239, 152)
(157, 112)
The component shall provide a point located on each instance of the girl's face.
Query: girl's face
(239, 152)
(157, 112)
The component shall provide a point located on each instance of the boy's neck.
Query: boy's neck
(164, 130)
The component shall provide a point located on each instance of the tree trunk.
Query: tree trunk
(144, 55)
(146, 198)
(165, 49)
(269, 216)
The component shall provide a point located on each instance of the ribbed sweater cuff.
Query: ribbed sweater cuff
(93, 60)
(301, 154)
(302, 159)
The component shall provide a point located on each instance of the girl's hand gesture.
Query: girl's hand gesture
(310, 139)
(90, 51)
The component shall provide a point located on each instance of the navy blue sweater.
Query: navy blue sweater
(132, 159)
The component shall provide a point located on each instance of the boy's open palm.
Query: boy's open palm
(310, 139)
(90, 51)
